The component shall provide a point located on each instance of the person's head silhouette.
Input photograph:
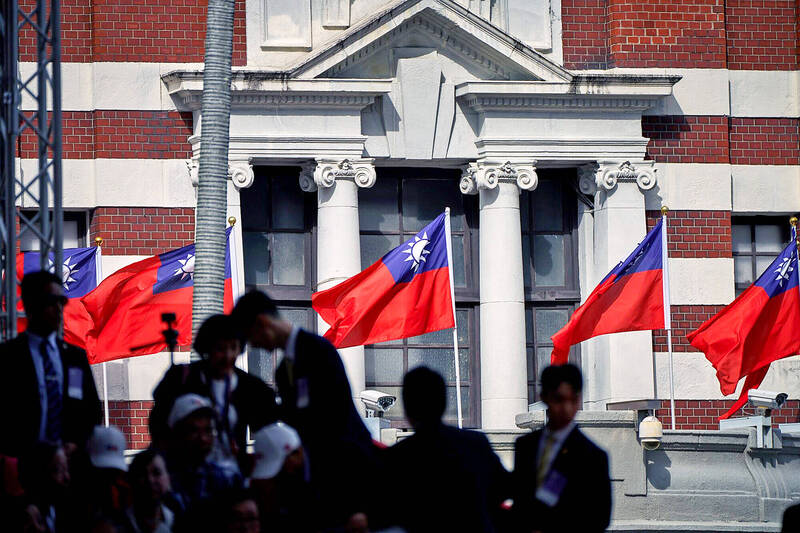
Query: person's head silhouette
(424, 397)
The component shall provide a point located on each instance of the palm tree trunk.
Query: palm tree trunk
(209, 273)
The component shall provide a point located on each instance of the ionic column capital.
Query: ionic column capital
(484, 175)
(607, 174)
(241, 173)
(323, 173)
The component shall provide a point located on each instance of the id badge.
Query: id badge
(75, 383)
(550, 491)
(302, 393)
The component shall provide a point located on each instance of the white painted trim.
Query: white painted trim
(762, 189)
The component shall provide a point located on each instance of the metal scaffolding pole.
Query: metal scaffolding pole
(31, 204)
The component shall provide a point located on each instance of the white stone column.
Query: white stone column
(504, 375)
(338, 243)
(618, 367)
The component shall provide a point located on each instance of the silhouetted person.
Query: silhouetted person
(45, 476)
(445, 479)
(240, 399)
(791, 519)
(150, 485)
(47, 391)
(317, 401)
(561, 480)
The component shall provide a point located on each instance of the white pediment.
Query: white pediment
(459, 36)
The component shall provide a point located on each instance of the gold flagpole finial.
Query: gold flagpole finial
(98, 241)
(232, 221)
(793, 221)
(664, 210)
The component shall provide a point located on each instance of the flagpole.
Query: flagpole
(667, 310)
(793, 223)
(98, 269)
(448, 237)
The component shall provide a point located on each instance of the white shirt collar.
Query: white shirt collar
(559, 435)
(291, 344)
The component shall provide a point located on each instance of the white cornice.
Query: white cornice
(257, 88)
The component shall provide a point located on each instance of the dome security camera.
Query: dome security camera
(650, 433)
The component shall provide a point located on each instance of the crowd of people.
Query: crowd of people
(312, 466)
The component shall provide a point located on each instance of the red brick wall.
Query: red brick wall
(762, 34)
(142, 230)
(119, 135)
(584, 34)
(685, 319)
(667, 33)
(131, 418)
(704, 414)
(765, 141)
(696, 233)
(686, 138)
(165, 31)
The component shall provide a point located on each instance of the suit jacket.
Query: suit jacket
(253, 399)
(446, 479)
(316, 399)
(20, 410)
(585, 502)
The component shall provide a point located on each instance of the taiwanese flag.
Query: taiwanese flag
(630, 298)
(126, 307)
(80, 273)
(760, 326)
(404, 294)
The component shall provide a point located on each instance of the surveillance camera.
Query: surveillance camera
(650, 433)
(377, 401)
(766, 400)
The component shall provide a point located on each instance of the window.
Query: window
(73, 230)
(400, 204)
(756, 243)
(550, 267)
(278, 228)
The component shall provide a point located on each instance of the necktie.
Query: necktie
(52, 429)
(544, 459)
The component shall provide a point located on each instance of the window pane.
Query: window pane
(445, 336)
(459, 274)
(296, 317)
(373, 247)
(452, 406)
(529, 326)
(524, 210)
(287, 204)
(762, 262)
(742, 242)
(441, 360)
(542, 360)
(769, 239)
(424, 200)
(377, 206)
(547, 204)
(527, 267)
(548, 260)
(261, 363)
(256, 258)
(254, 205)
(383, 365)
(531, 363)
(743, 269)
(288, 256)
(548, 322)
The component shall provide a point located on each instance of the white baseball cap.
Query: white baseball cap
(186, 405)
(273, 443)
(106, 448)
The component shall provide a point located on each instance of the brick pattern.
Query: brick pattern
(762, 34)
(142, 230)
(686, 138)
(685, 319)
(667, 33)
(131, 417)
(764, 141)
(696, 233)
(119, 135)
(704, 414)
(157, 31)
(584, 34)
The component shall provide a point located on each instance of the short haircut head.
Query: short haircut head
(34, 465)
(250, 305)
(553, 376)
(140, 462)
(424, 395)
(215, 328)
(34, 283)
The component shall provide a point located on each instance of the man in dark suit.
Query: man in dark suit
(316, 400)
(561, 480)
(447, 479)
(47, 391)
